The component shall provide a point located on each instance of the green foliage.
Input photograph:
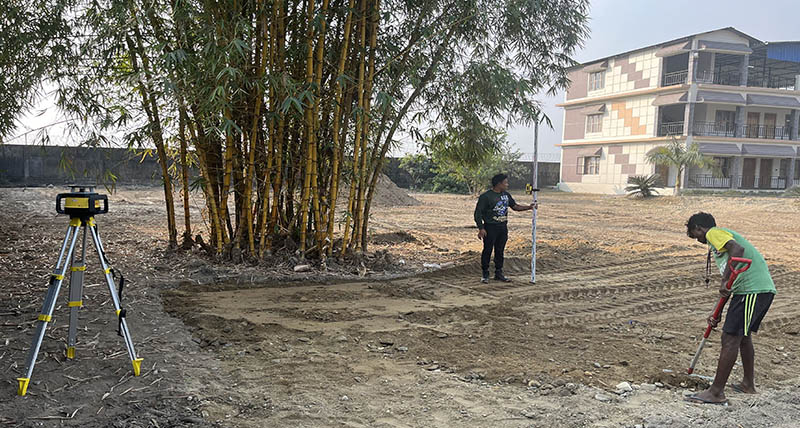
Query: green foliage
(676, 154)
(642, 186)
(420, 168)
(477, 177)
(793, 192)
(445, 172)
(32, 46)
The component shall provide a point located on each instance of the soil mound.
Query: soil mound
(386, 195)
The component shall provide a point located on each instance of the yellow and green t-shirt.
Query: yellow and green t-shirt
(756, 279)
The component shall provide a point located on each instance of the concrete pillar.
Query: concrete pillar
(744, 70)
(711, 67)
(738, 126)
(736, 172)
(692, 72)
(795, 123)
(790, 174)
(797, 83)
(688, 119)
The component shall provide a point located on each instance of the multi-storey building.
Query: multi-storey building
(736, 97)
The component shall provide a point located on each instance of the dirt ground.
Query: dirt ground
(410, 339)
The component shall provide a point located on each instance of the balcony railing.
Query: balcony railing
(728, 78)
(728, 129)
(716, 129)
(675, 78)
(788, 83)
(707, 181)
(766, 183)
(670, 128)
(765, 131)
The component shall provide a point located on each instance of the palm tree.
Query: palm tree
(678, 155)
(642, 186)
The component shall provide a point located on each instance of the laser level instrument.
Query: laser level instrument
(721, 304)
(81, 204)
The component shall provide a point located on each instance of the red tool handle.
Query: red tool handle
(722, 300)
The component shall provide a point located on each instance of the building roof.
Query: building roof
(672, 42)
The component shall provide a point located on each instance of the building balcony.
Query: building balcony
(708, 181)
(734, 78)
(747, 182)
(670, 128)
(729, 78)
(675, 78)
(727, 129)
(751, 182)
(714, 129)
(788, 83)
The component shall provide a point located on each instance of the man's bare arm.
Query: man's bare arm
(519, 207)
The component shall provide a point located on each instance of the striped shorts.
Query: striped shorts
(745, 313)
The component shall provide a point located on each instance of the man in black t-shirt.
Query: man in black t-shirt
(491, 216)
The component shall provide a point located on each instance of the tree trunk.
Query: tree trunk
(151, 108)
(187, 219)
(390, 136)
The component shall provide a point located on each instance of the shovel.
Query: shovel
(721, 304)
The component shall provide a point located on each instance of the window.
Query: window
(724, 165)
(784, 168)
(724, 123)
(594, 123)
(589, 165)
(597, 80)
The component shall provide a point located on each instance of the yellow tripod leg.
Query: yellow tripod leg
(23, 385)
(137, 366)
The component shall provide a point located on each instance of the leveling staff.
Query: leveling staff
(491, 216)
(751, 296)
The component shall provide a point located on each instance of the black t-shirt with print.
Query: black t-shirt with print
(492, 208)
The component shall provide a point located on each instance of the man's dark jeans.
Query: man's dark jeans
(496, 238)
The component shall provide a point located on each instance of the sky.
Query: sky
(618, 26)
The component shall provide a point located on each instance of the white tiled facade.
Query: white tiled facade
(616, 80)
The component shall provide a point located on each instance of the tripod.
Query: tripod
(81, 205)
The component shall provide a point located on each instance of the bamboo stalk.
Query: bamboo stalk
(359, 124)
(280, 39)
(187, 218)
(315, 193)
(308, 131)
(337, 113)
(362, 222)
(151, 108)
(265, 208)
(254, 133)
(211, 199)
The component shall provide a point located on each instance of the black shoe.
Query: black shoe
(485, 277)
(498, 276)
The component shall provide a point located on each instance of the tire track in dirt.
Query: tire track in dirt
(616, 295)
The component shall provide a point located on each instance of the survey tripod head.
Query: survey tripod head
(81, 202)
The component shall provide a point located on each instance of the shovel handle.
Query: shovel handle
(744, 265)
(735, 272)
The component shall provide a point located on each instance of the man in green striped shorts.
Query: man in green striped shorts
(750, 297)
